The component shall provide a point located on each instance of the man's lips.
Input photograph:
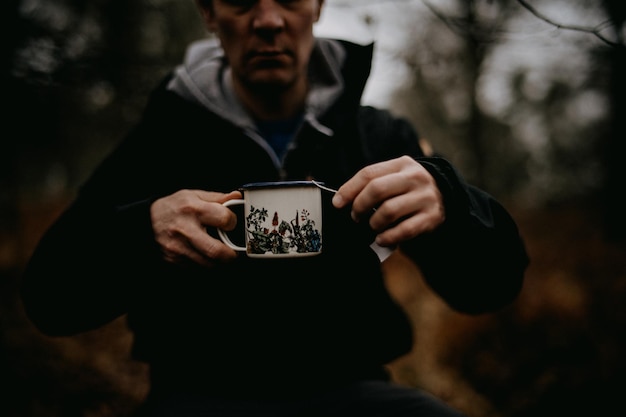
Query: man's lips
(268, 59)
(268, 54)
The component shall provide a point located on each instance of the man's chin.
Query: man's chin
(270, 80)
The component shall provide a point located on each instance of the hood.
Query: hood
(204, 78)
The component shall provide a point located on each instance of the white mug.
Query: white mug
(282, 219)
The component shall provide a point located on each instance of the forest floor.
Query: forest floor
(557, 350)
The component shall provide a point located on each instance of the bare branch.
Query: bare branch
(594, 31)
(457, 27)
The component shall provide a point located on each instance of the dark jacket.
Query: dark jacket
(258, 325)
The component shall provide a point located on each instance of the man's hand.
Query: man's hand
(180, 220)
(399, 196)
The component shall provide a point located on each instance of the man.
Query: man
(229, 335)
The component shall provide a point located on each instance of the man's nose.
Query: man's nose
(268, 15)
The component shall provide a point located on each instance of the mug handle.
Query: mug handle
(223, 236)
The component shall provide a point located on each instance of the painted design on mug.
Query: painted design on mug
(281, 236)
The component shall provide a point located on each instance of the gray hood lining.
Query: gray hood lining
(204, 78)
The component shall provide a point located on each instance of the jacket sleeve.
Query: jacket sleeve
(83, 271)
(93, 259)
(476, 260)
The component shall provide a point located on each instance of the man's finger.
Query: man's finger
(355, 185)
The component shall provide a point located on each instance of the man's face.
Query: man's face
(267, 42)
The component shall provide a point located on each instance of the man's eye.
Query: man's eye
(246, 4)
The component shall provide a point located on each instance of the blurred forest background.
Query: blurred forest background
(525, 96)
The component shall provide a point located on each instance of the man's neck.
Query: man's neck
(269, 103)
